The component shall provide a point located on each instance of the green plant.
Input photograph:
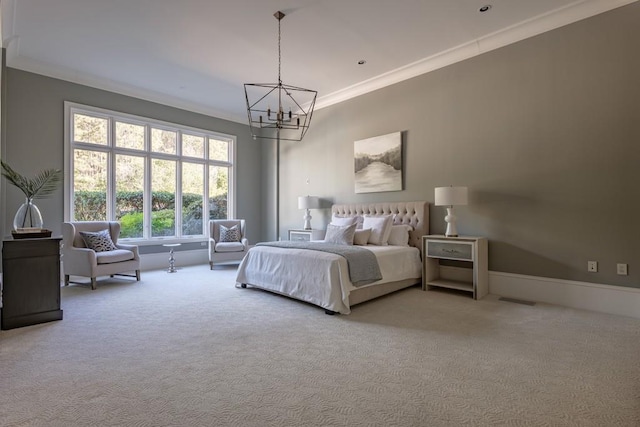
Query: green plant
(131, 225)
(42, 185)
(39, 187)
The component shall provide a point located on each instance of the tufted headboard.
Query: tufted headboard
(415, 214)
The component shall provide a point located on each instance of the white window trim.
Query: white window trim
(71, 107)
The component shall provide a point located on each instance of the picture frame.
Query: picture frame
(378, 165)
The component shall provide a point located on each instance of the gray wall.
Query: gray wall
(544, 132)
(34, 140)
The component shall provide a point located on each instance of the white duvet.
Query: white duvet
(318, 277)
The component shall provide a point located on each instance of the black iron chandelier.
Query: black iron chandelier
(276, 110)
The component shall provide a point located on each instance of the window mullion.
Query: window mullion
(205, 204)
(111, 172)
(178, 200)
(147, 196)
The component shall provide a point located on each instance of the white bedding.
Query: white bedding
(321, 278)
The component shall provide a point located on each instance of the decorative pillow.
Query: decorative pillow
(347, 220)
(343, 220)
(361, 237)
(231, 234)
(340, 234)
(399, 235)
(99, 241)
(380, 228)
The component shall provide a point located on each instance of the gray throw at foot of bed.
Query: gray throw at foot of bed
(362, 263)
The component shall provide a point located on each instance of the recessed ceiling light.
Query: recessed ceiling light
(362, 62)
(485, 8)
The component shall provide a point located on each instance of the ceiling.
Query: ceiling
(196, 54)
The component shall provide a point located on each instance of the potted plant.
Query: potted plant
(38, 187)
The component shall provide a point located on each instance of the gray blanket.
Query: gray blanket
(362, 263)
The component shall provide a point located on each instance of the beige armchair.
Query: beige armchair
(226, 252)
(79, 260)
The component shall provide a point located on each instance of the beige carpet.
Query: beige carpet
(190, 349)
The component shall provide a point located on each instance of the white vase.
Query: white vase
(28, 216)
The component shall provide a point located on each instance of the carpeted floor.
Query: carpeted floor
(191, 349)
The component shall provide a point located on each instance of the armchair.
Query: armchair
(79, 260)
(223, 252)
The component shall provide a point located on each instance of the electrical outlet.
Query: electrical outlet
(622, 269)
(592, 266)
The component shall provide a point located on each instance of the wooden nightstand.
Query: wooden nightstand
(31, 280)
(306, 235)
(465, 265)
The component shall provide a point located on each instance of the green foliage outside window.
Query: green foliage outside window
(92, 206)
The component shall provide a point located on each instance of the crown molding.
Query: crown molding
(566, 15)
(569, 14)
(67, 74)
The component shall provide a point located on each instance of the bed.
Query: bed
(323, 278)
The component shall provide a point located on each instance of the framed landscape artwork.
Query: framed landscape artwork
(378, 163)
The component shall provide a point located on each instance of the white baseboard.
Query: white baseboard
(610, 299)
(182, 258)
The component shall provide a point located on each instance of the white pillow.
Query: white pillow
(361, 237)
(399, 235)
(347, 220)
(342, 220)
(340, 235)
(380, 228)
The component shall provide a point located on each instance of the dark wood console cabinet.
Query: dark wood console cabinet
(30, 282)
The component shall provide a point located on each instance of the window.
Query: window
(156, 178)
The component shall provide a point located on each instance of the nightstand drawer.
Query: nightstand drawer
(450, 250)
(300, 236)
(306, 235)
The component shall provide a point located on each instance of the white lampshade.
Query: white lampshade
(308, 202)
(451, 196)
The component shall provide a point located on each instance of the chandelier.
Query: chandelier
(276, 110)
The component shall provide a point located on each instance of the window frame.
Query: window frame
(71, 108)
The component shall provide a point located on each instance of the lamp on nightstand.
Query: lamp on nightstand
(450, 197)
(306, 203)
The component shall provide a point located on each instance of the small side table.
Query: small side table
(470, 272)
(172, 260)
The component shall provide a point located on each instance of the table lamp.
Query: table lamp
(306, 203)
(450, 197)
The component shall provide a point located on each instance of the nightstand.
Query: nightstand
(306, 235)
(456, 263)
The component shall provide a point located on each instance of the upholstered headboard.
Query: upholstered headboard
(415, 214)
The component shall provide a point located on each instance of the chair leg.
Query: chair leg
(210, 265)
(93, 283)
(66, 280)
(138, 275)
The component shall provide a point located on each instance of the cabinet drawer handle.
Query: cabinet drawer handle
(451, 251)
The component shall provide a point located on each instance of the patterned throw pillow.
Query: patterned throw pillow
(99, 241)
(229, 234)
(340, 234)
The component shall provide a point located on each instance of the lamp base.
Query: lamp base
(307, 220)
(452, 230)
